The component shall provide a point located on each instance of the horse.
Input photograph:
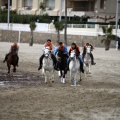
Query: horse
(12, 60)
(87, 60)
(61, 64)
(47, 66)
(74, 67)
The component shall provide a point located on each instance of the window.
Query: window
(50, 4)
(102, 4)
(83, 6)
(28, 4)
(79, 25)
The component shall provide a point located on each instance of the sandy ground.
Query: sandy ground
(24, 96)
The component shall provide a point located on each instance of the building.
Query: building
(102, 8)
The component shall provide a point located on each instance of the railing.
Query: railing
(73, 29)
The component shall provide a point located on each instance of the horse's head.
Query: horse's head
(46, 52)
(60, 53)
(88, 49)
(13, 50)
(72, 55)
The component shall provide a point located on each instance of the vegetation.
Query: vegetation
(45, 18)
(59, 27)
(42, 6)
(32, 28)
(107, 37)
(24, 19)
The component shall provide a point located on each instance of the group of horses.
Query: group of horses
(48, 68)
(74, 65)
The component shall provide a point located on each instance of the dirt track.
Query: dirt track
(24, 96)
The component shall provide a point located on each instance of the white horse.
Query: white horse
(87, 60)
(47, 67)
(74, 67)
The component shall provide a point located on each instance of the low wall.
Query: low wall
(40, 38)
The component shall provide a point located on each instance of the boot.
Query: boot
(67, 68)
(40, 67)
(4, 60)
(6, 57)
(93, 63)
(54, 61)
(92, 59)
(81, 67)
(55, 67)
(41, 59)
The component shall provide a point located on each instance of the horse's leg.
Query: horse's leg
(45, 74)
(59, 73)
(85, 71)
(89, 69)
(14, 68)
(64, 76)
(8, 65)
(61, 77)
(80, 76)
(75, 77)
(71, 77)
(52, 77)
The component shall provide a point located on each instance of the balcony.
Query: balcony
(27, 10)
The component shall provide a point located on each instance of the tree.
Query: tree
(107, 37)
(59, 27)
(42, 7)
(32, 28)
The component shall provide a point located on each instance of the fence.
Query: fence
(72, 29)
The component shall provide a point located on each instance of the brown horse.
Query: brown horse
(12, 59)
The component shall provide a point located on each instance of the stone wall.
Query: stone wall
(40, 38)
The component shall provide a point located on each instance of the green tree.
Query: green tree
(32, 28)
(107, 37)
(59, 27)
(42, 7)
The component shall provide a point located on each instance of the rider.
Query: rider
(91, 55)
(62, 48)
(51, 47)
(77, 50)
(16, 46)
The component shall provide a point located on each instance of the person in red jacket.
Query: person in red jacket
(91, 55)
(77, 49)
(51, 47)
(16, 46)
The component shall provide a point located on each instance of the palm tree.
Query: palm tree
(32, 28)
(59, 27)
(65, 32)
(107, 37)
